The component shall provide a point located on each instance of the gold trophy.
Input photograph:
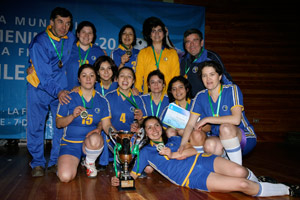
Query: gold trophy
(126, 144)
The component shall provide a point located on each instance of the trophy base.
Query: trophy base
(126, 184)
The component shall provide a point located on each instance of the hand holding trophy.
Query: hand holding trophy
(123, 153)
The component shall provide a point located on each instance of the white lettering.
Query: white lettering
(15, 111)
(19, 21)
(2, 122)
(5, 51)
(21, 51)
(5, 73)
(2, 19)
(18, 72)
(23, 111)
(8, 35)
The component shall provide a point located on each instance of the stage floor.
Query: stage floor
(278, 160)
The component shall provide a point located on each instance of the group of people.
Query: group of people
(89, 92)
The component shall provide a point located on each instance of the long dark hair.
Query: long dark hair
(164, 135)
(87, 24)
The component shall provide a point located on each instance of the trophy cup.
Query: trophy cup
(126, 144)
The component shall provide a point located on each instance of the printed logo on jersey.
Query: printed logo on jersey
(195, 69)
(225, 108)
(132, 109)
(97, 110)
(93, 57)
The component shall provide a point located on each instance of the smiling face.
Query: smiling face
(87, 78)
(127, 37)
(153, 129)
(193, 44)
(157, 34)
(178, 91)
(125, 79)
(156, 85)
(105, 71)
(210, 78)
(86, 35)
(60, 26)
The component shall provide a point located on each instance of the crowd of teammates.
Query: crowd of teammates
(90, 92)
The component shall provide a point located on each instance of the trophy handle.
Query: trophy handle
(141, 138)
(110, 133)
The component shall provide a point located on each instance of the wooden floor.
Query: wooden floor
(279, 160)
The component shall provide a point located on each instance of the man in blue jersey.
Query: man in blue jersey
(195, 54)
(49, 51)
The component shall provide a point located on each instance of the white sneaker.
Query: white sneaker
(91, 170)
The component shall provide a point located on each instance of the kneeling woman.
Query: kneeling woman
(80, 119)
(198, 171)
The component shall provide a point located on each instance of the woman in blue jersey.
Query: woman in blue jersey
(180, 93)
(80, 119)
(155, 101)
(126, 54)
(221, 106)
(125, 107)
(84, 51)
(190, 169)
(106, 73)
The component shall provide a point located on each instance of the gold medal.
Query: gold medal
(60, 64)
(84, 114)
(160, 146)
(129, 53)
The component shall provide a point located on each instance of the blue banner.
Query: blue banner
(19, 24)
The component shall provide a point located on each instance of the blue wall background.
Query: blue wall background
(19, 24)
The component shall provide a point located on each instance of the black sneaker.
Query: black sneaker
(38, 171)
(267, 179)
(101, 168)
(294, 190)
(52, 169)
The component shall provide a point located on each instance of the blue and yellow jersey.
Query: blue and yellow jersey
(74, 62)
(188, 108)
(47, 75)
(122, 111)
(103, 91)
(97, 108)
(176, 171)
(120, 51)
(231, 97)
(152, 111)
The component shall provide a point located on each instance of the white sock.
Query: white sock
(199, 149)
(271, 189)
(233, 149)
(92, 155)
(251, 176)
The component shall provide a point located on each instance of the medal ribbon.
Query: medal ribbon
(83, 101)
(186, 70)
(102, 88)
(135, 151)
(132, 103)
(117, 147)
(219, 101)
(61, 49)
(81, 63)
(157, 62)
(152, 107)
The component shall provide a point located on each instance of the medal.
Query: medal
(129, 53)
(160, 146)
(60, 64)
(84, 114)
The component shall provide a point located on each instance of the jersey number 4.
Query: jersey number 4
(123, 118)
